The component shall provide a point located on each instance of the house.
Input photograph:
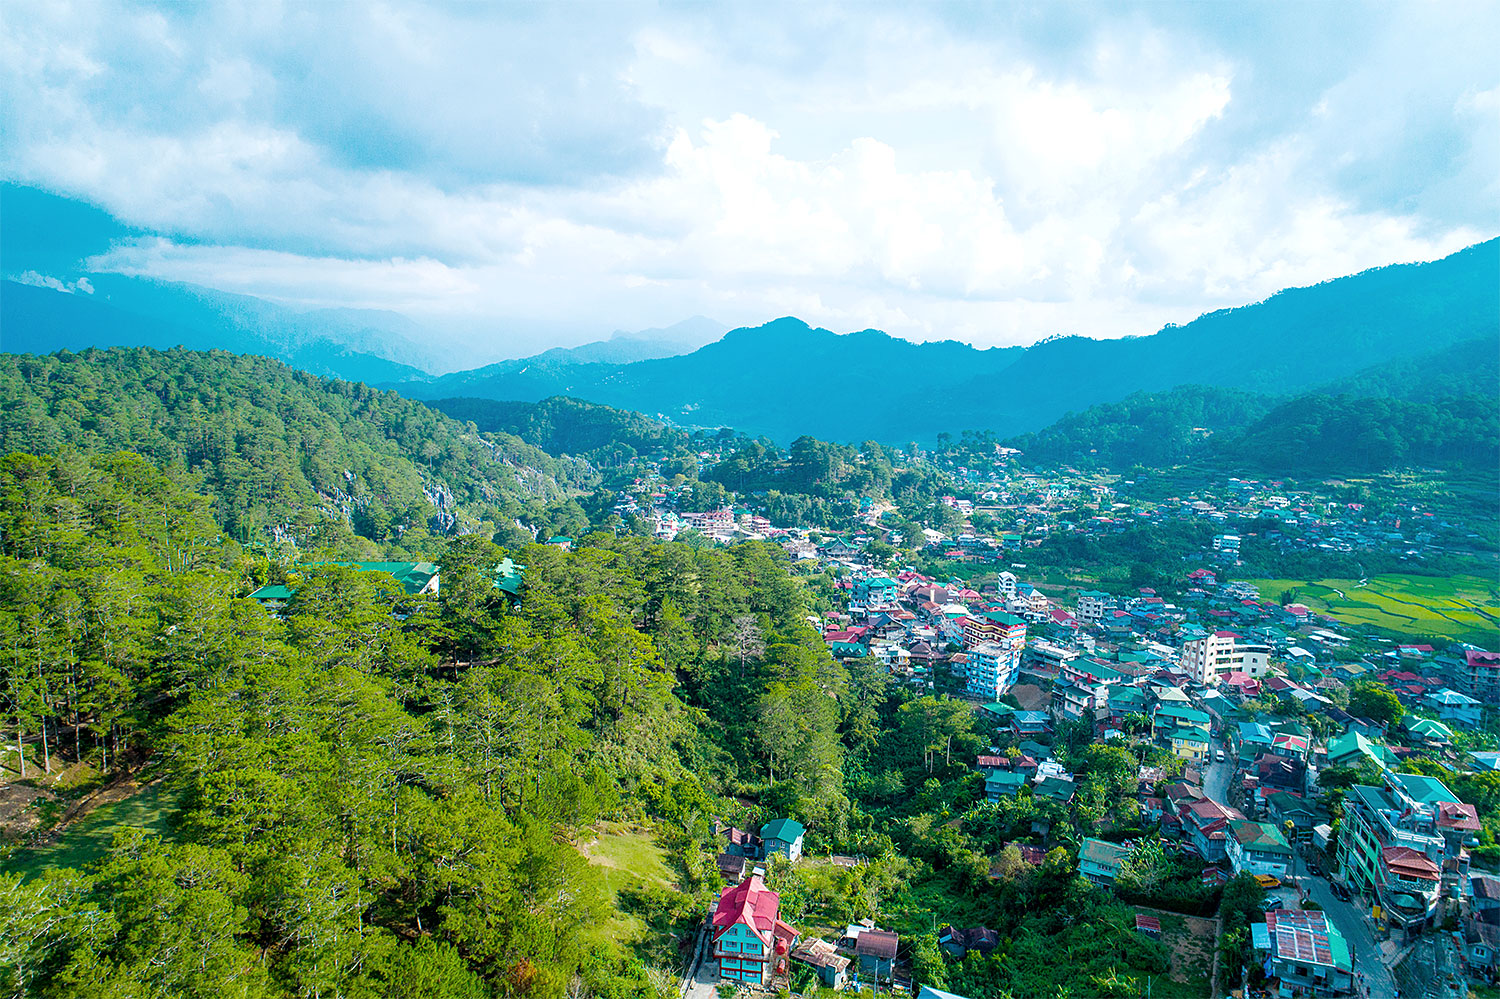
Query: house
(1354, 747)
(751, 942)
(733, 867)
(1003, 784)
(510, 579)
(783, 836)
(1286, 806)
(1482, 927)
(739, 842)
(1100, 862)
(1257, 847)
(1306, 952)
(414, 578)
(957, 943)
(272, 597)
(1479, 675)
(1426, 732)
(1454, 708)
(1398, 840)
(1206, 823)
(1027, 724)
(1250, 739)
(1071, 702)
(1092, 605)
(1059, 789)
(1485, 761)
(876, 950)
(824, 958)
(1184, 730)
(1278, 773)
(1290, 745)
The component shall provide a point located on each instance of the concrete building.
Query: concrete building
(1400, 842)
(1210, 659)
(993, 667)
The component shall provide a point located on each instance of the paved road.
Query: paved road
(701, 981)
(1216, 779)
(1352, 920)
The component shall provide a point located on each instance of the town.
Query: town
(1268, 723)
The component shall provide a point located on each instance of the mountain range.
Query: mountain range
(786, 378)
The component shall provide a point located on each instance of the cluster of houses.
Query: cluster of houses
(752, 944)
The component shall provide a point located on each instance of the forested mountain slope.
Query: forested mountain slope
(1437, 409)
(561, 425)
(1468, 368)
(273, 445)
(379, 795)
(1157, 429)
(1342, 435)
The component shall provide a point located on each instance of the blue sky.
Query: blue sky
(549, 172)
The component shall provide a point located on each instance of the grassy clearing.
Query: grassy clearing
(89, 838)
(1460, 608)
(626, 858)
(1191, 940)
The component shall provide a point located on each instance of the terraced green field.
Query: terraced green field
(1461, 608)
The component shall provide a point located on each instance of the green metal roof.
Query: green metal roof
(272, 593)
(1181, 714)
(786, 830)
(1100, 853)
(1427, 790)
(413, 576)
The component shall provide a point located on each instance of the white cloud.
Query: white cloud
(56, 284)
(880, 167)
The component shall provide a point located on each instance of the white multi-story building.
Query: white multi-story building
(992, 668)
(1227, 543)
(1208, 660)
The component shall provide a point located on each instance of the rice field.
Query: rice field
(1458, 608)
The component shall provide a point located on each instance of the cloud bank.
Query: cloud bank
(993, 174)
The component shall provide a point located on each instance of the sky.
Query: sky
(537, 174)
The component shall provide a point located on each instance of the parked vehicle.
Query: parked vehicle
(1272, 904)
(1340, 892)
(1268, 881)
(1314, 869)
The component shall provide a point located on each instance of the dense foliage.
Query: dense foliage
(562, 425)
(1157, 429)
(1311, 434)
(377, 792)
(1340, 435)
(274, 446)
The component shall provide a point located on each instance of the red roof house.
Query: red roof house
(751, 943)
